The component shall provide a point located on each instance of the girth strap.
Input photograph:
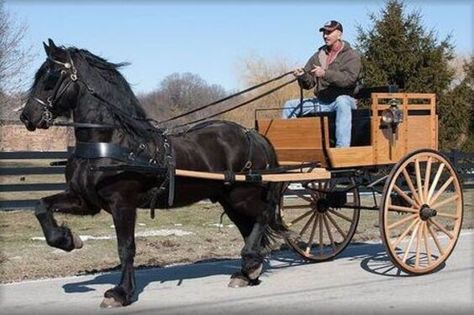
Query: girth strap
(95, 150)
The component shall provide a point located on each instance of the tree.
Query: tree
(398, 50)
(13, 56)
(254, 70)
(461, 97)
(179, 93)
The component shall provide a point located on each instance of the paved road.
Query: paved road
(360, 281)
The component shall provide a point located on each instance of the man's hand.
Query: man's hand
(318, 71)
(298, 72)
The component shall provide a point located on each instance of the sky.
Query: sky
(211, 38)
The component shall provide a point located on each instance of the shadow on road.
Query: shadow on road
(373, 258)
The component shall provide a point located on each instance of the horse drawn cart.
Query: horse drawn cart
(123, 161)
(393, 153)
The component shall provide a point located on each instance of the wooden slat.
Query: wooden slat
(351, 157)
(17, 204)
(31, 170)
(31, 155)
(32, 187)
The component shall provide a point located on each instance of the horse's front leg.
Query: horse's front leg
(124, 221)
(59, 236)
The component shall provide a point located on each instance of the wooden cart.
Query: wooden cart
(394, 155)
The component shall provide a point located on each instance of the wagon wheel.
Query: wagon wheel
(421, 212)
(322, 217)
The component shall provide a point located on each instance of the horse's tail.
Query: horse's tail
(275, 229)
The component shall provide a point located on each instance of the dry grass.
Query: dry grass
(23, 258)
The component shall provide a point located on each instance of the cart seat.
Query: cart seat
(360, 134)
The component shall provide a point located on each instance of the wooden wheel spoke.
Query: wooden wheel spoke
(410, 185)
(435, 181)
(448, 215)
(321, 241)
(404, 220)
(405, 196)
(407, 250)
(402, 209)
(442, 228)
(315, 195)
(295, 207)
(305, 198)
(435, 239)
(441, 190)
(344, 235)
(326, 224)
(427, 177)
(305, 227)
(425, 239)
(301, 217)
(341, 215)
(418, 181)
(418, 244)
(445, 201)
(311, 237)
(401, 237)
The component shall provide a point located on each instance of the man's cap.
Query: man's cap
(331, 26)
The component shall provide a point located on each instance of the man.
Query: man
(333, 71)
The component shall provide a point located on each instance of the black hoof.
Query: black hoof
(110, 303)
(255, 273)
(239, 280)
(115, 297)
(76, 240)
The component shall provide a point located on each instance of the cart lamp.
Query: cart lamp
(392, 116)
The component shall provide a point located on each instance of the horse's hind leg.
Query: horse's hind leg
(59, 236)
(252, 257)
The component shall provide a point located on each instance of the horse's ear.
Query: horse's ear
(46, 48)
(51, 43)
(54, 50)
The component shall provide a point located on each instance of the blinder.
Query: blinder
(54, 81)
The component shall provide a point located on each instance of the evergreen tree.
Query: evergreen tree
(399, 50)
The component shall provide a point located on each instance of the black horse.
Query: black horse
(122, 162)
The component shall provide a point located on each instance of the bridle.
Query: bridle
(59, 89)
(69, 71)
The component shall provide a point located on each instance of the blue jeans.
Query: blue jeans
(343, 106)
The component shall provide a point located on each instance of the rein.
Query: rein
(227, 98)
(48, 105)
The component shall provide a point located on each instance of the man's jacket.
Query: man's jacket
(341, 76)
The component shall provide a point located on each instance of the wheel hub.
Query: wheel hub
(426, 212)
(322, 205)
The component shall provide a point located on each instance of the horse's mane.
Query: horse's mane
(121, 102)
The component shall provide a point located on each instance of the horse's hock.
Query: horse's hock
(13, 137)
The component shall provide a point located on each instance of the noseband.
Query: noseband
(70, 72)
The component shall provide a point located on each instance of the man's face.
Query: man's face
(331, 37)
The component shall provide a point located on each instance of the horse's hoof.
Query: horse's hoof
(254, 274)
(76, 239)
(110, 303)
(238, 281)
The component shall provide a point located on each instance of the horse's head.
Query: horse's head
(54, 90)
